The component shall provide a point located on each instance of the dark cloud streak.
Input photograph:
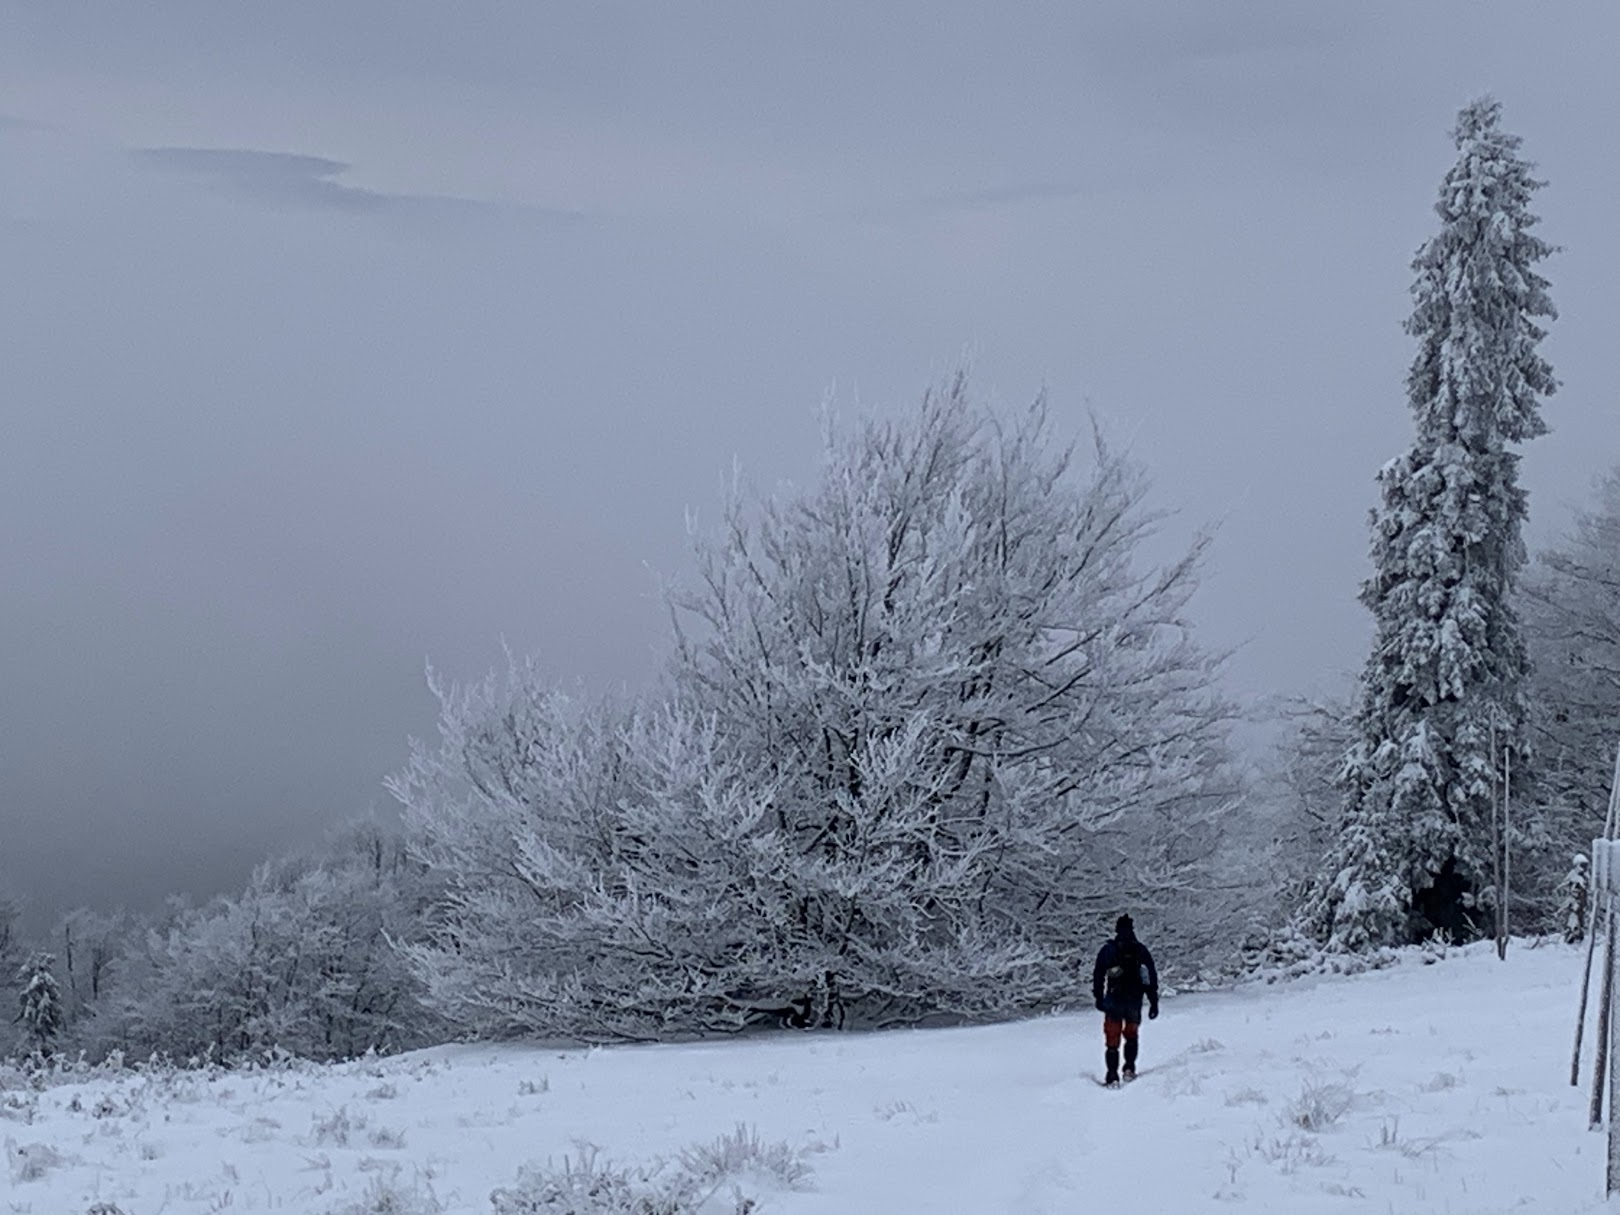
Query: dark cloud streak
(990, 199)
(295, 180)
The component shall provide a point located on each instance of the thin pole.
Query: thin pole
(1612, 819)
(1611, 1180)
(1507, 845)
(1600, 1061)
(1496, 837)
(1586, 984)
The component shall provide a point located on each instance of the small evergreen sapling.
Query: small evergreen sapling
(40, 1004)
(1575, 893)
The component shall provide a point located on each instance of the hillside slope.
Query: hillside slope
(1420, 1088)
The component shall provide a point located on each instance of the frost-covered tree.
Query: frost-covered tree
(11, 946)
(606, 875)
(1572, 624)
(1414, 852)
(957, 594)
(40, 1002)
(89, 945)
(1302, 799)
(928, 725)
(1306, 767)
(303, 960)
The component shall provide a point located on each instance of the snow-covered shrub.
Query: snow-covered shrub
(19, 1106)
(335, 1129)
(742, 1153)
(1320, 1104)
(385, 1137)
(31, 1161)
(1292, 1152)
(261, 1130)
(1390, 1139)
(107, 1106)
(388, 1195)
(1286, 953)
(589, 1185)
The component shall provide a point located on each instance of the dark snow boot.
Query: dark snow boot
(1111, 1057)
(1130, 1059)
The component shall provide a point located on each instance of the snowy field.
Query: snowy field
(1421, 1089)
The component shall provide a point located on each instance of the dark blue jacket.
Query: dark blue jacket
(1137, 980)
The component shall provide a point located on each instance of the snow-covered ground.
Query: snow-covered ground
(1420, 1088)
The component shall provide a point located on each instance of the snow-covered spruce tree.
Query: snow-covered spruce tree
(982, 722)
(40, 1003)
(1414, 852)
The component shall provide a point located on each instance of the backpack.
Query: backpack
(1126, 980)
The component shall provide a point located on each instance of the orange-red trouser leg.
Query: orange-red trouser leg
(1114, 1028)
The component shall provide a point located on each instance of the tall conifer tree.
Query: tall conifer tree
(1440, 694)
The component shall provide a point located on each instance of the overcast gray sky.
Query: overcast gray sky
(339, 336)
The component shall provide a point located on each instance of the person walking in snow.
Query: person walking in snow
(1123, 977)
